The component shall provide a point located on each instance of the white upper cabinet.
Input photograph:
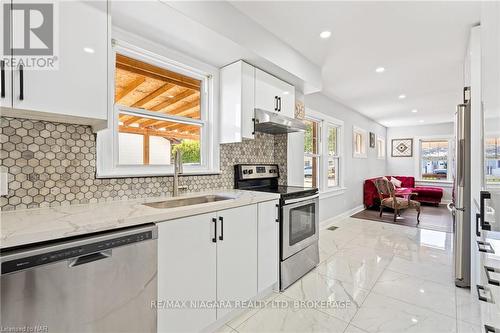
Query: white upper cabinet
(245, 88)
(237, 102)
(5, 73)
(273, 94)
(76, 89)
(490, 57)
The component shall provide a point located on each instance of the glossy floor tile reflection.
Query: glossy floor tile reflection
(373, 277)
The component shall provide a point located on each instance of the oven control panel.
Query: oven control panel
(247, 171)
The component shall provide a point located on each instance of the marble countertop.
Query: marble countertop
(29, 226)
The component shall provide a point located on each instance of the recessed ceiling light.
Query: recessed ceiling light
(89, 50)
(325, 34)
(380, 69)
(402, 96)
(421, 121)
(414, 110)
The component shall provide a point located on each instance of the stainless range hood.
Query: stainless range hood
(273, 123)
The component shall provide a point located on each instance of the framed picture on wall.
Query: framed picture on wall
(372, 140)
(402, 148)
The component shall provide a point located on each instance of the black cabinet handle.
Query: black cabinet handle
(221, 219)
(490, 329)
(483, 196)
(275, 103)
(2, 79)
(21, 82)
(279, 104)
(214, 239)
(485, 247)
(481, 297)
(278, 213)
(489, 270)
(478, 217)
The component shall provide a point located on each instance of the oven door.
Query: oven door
(300, 225)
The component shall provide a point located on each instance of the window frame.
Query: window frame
(364, 135)
(418, 159)
(489, 184)
(325, 122)
(316, 155)
(107, 140)
(380, 142)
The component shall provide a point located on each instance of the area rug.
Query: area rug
(431, 218)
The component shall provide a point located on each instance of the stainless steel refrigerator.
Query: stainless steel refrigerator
(460, 205)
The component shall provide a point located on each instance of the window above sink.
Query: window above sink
(162, 103)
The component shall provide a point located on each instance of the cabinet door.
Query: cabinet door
(6, 84)
(186, 272)
(287, 100)
(268, 244)
(273, 94)
(78, 85)
(266, 91)
(236, 255)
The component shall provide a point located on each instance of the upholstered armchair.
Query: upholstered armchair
(389, 199)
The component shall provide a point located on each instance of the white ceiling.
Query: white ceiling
(421, 44)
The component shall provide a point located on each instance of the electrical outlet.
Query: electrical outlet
(4, 184)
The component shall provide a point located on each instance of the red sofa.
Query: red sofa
(427, 194)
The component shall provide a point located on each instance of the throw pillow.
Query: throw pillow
(396, 182)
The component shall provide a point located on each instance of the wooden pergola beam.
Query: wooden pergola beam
(141, 68)
(173, 100)
(163, 89)
(129, 88)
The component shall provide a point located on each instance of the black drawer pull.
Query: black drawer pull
(221, 219)
(478, 217)
(482, 290)
(485, 247)
(2, 79)
(21, 82)
(277, 213)
(491, 329)
(214, 239)
(489, 270)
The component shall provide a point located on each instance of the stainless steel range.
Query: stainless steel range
(299, 219)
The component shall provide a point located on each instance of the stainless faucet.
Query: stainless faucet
(177, 172)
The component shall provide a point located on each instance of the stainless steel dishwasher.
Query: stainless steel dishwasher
(102, 283)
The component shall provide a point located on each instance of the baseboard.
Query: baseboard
(326, 223)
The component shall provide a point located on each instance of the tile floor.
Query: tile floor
(393, 278)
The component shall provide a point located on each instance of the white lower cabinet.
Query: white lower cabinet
(236, 256)
(268, 245)
(228, 256)
(186, 272)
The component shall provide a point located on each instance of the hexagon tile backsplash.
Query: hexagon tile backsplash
(53, 164)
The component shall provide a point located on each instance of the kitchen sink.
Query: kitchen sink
(180, 202)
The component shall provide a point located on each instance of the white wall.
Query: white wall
(408, 166)
(356, 170)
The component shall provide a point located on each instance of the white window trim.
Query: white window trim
(364, 133)
(418, 174)
(383, 145)
(107, 140)
(324, 121)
